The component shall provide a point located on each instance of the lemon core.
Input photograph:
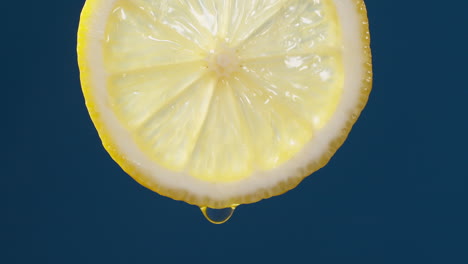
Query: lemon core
(223, 60)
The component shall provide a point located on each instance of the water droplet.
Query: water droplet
(218, 216)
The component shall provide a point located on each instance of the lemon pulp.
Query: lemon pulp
(228, 98)
(223, 102)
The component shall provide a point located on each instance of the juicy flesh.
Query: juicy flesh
(220, 89)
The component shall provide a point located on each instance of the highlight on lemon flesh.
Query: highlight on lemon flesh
(222, 102)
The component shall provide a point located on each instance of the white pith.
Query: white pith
(353, 61)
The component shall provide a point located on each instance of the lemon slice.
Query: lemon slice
(223, 102)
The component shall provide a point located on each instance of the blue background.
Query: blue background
(396, 192)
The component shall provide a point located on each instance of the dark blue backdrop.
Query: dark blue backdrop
(396, 192)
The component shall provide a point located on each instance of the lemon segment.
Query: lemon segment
(134, 98)
(170, 134)
(276, 132)
(310, 86)
(299, 26)
(137, 38)
(223, 151)
(245, 17)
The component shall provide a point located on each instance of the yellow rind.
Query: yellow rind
(182, 195)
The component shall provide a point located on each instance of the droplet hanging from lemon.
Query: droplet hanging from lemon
(223, 102)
